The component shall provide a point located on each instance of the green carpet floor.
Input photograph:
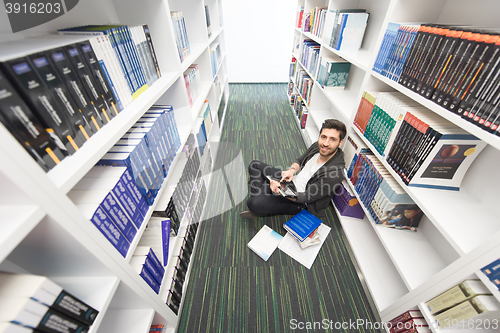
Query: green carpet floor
(230, 288)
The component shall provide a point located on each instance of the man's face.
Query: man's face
(329, 142)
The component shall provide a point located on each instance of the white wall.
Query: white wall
(259, 38)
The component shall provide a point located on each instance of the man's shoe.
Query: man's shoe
(250, 215)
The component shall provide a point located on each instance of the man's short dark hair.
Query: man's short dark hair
(336, 125)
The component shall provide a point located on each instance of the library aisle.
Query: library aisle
(231, 289)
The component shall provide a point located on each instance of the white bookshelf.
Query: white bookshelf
(460, 232)
(43, 232)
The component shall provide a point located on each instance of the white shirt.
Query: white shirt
(301, 179)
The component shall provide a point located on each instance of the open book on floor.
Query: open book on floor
(286, 189)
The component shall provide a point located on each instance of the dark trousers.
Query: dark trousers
(262, 200)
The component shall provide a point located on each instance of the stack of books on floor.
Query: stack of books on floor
(409, 322)
(468, 304)
(305, 235)
(146, 264)
(492, 272)
(157, 328)
(456, 67)
(424, 149)
(71, 73)
(192, 80)
(181, 37)
(304, 228)
(387, 203)
(36, 303)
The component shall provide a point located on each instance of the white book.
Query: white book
(265, 242)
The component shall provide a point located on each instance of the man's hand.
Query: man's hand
(287, 175)
(275, 185)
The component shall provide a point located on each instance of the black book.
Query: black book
(417, 44)
(69, 76)
(18, 118)
(463, 52)
(151, 48)
(442, 61)
(40, 100)
(468, 70)
(477, 106)
(417, 133)
(52, 80)
(440, 43)
(492, 120)
(416, 152)
(429, 52)
(102, 84)
(89, 84)
(416, 161)
(420, 45)
(479, 71)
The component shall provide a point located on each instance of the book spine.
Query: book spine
(75, 308)
(454, 68)
(413, 55)
(451, 41)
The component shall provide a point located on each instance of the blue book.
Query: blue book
(302, 225)
(491, 269)
(391, 32)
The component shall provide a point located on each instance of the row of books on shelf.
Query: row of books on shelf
(215, 57)
(192, 81)
(204, 125)
(424, 149)
(297, 104)
(115, 195)
(456, 67)
(34, 303)
(125, 56)
(384, 199)
(462, 305)
(145, 262)
(329, 70)
(341, 29)
(147, 150)
(180, 262)
(409, 322)
(57, 91)
(186, 204)
(467, 305)
(180, 32)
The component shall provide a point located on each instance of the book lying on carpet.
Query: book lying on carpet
(304, 256)
(302, 225)
(265, 242)
(286, 189)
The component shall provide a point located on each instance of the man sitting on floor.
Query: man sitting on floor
(321, 170)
